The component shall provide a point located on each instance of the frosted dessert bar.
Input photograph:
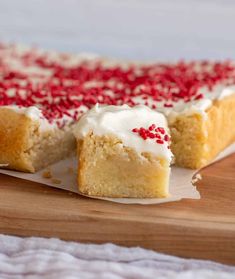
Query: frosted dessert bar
(123, 152)
(44, 93)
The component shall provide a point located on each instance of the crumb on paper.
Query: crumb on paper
(70, 170)
(55, 181)
(3, 165)
(47, 174)
(197, 177)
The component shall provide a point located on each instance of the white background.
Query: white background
(140, 29)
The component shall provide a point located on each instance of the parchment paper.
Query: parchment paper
(64, 176)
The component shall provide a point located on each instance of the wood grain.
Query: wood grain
(202, 229)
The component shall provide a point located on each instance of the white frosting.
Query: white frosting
(70, 60)
(36, 115)
(200, 106)
(180, 108)
(12, 58)
(33, 113)
(226, 92)
(119, 121)
(196, 106)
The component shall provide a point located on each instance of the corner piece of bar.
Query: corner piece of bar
(123, 152)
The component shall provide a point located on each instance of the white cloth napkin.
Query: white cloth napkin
(54, 259)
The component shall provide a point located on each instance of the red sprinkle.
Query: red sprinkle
(168, 105)
(152, 132)
(160, 130)
(81, 86)
(152, 127)
(198, 97)
(166, 138)
(151, 135)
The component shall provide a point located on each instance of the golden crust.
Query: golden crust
(197, 140)
(16, 138)
(220, 127)
(108, 169)
(25, 148)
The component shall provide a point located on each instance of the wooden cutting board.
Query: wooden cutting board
(202, 229)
